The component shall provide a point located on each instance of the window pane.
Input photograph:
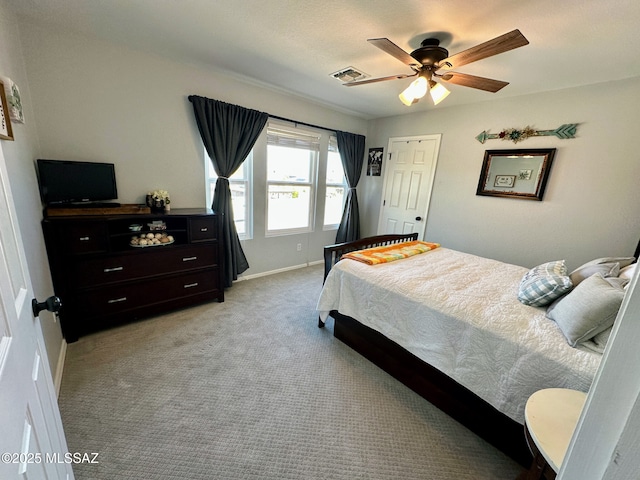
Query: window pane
(239, 174)
(240, 186)
(212, 190)
(238, 200)
(335, 172)
(288, 164)
(288, 207)
(333, 205)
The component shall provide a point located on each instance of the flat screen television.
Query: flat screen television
(64, 182)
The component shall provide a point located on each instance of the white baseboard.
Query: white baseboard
(57, 379)
(279, 270)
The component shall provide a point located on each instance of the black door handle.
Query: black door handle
(51, 304)
(418, 218)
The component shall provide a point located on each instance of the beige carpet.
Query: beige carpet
(252, 389)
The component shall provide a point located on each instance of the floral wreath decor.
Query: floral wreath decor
(516, 135)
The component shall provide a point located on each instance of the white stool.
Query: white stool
(550, 418)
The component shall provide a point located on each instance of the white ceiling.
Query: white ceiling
(295, 45)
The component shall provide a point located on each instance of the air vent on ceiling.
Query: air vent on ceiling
(349, 74)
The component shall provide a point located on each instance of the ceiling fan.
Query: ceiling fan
(427, 61)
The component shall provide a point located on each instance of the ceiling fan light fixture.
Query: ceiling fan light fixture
(438, 92)
(414, 92)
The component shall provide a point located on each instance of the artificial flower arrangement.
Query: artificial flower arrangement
(158, 199)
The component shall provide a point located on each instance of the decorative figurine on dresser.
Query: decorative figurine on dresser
(113, 263)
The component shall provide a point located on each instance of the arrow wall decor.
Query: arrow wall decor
(568, 130)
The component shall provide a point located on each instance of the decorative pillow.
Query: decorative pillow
(617, 281)
(585, 271)
(588, 310)
(628, 271)
(543, 284)
(623, 261)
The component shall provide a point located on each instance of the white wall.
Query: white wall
(590, 207)
(19, 156)
(101, 102)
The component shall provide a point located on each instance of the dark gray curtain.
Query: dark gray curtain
(228, 133)
(351, 147)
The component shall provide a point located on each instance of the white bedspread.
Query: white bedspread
(460, 313)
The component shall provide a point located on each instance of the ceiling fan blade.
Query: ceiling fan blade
(481, 83)
(501, 44)
(392, 49)
(381, 79)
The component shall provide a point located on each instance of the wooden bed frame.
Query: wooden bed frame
(448, 395)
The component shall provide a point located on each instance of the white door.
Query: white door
(32, 442)
(408, 181)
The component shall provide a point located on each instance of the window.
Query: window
(292, 157)
(336, 185)
(241, 186)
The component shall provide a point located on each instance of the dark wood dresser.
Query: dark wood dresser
(103, 280)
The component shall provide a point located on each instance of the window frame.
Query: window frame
(247, 181)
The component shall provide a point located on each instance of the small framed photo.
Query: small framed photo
(525, 175)
(6, 132)
(504, 181)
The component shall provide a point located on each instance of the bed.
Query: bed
(450, 326)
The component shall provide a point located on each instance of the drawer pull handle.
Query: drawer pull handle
(118, 300)
(114, 269)
(191, 285)
(189, 259)
(84, 239)
(204, 229)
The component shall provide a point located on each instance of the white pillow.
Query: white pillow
(623, 261)
(628, 272)
(611, 269)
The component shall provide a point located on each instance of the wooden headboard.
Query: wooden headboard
(332, 253)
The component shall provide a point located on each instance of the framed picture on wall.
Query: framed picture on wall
(520, 173)
(374, 162)
(6, 132)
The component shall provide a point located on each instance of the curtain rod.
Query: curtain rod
(191, 97)
(302, 123)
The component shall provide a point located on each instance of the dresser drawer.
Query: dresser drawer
(121, 298)
(203, 229)
(142, 264)
(87, 237)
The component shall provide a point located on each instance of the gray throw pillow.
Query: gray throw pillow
(589, 309)
(602, 338)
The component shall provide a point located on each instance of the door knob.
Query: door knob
(418, 218)
(51, 304)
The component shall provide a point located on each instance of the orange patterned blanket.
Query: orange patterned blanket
(389, 253)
